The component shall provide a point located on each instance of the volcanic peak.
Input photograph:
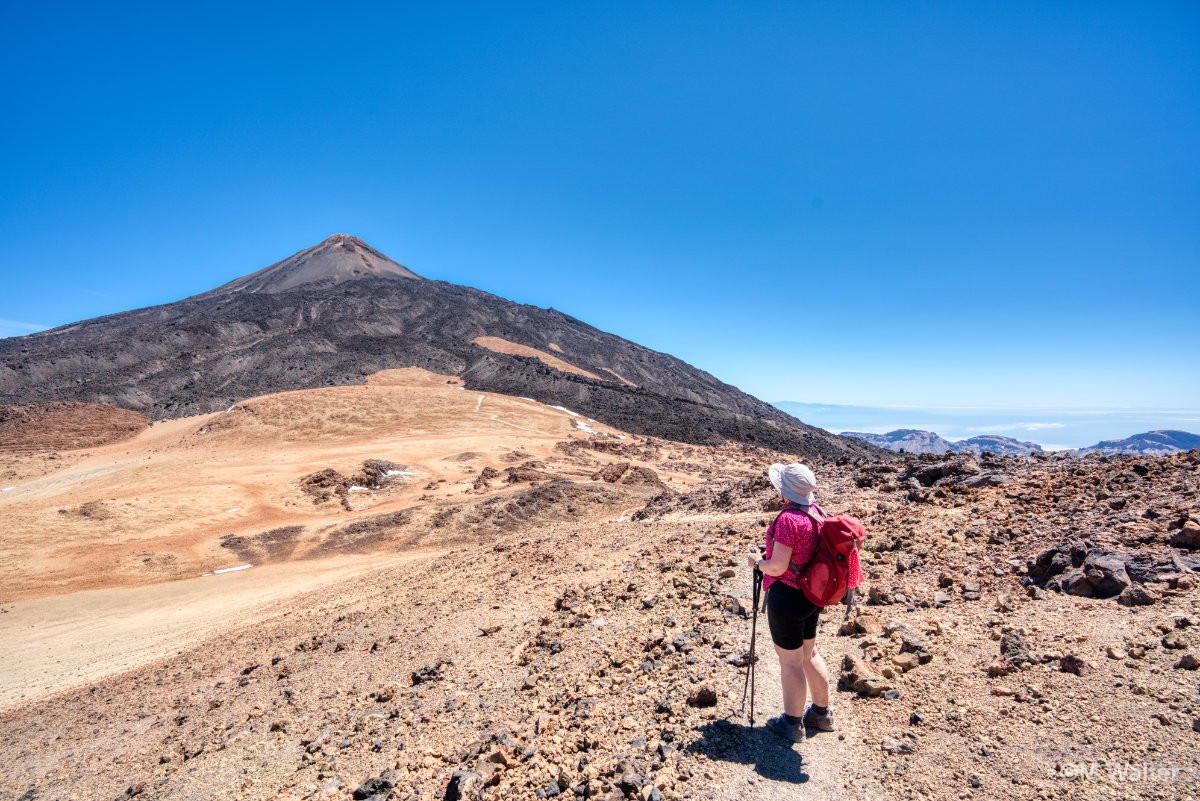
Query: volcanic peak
(339, 258)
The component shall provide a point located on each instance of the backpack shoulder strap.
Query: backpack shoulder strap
(816, 515)
(817, 519)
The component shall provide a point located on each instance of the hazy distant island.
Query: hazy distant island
(1150, 443)
(915, 441)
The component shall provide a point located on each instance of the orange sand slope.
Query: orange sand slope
(513, 349)
(198, 494)
(40, 427)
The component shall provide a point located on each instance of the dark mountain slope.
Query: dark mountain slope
(339, 258)
(268, 333)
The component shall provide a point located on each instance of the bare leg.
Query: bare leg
(816, 672)
(792, 678)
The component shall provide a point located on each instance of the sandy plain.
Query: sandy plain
(109, 552)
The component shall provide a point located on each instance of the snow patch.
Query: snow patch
(230, 409)
(7, 489)
(399, 473)
(228, 570)
(568, 411)
(357, 488)
(582, 426)
(234, 509)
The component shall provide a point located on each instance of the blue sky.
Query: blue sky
(986, 204)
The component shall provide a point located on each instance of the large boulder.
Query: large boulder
(464, 785)
(988, 480)
(1137, 595)
(910, 641)
(928, 475)
(377, 788)
(1073, 582)
(1057, 560)
(1072, 568)
(861, 677)
(1144, 569)
(1106, 573)
(1187, 537)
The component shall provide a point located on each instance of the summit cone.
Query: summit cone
(339, 258)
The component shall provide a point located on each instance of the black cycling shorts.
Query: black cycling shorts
(792, 617)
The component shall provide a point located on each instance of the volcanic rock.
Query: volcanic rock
(377, 788)
(1137, 595)
(1070, 663)
(464, 785)
(703, 696)
(929, 475)
(896, 747)
(1014, 649)
(1106, 573)
(862, 677)
(1188, 536)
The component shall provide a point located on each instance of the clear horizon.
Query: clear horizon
(926, 205)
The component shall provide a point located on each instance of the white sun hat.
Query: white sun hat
(795, 482)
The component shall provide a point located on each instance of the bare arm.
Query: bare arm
(777, 565)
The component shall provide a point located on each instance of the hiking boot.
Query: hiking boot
(819, 722)
(788, 731)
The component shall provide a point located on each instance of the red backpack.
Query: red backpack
(826, 577)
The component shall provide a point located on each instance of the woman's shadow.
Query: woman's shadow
(772, 756)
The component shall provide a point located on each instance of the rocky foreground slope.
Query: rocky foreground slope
(1030, 629)
(340, 311)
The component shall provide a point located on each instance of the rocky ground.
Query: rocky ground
(1029, 628)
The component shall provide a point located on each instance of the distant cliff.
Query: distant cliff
(1149, 443)
(905, 440)
(914, 441)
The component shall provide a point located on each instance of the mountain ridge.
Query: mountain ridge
(1161, 442)
(915, 441)
(207, 351)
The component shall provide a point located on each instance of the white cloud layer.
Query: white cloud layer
(994, 428)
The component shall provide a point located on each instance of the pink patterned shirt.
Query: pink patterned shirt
(793, 527)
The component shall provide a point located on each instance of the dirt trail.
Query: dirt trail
(824, 766)
(58, 642)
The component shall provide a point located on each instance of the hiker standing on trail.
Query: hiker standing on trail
(791, 547)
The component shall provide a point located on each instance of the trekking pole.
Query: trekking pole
(749, 685)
